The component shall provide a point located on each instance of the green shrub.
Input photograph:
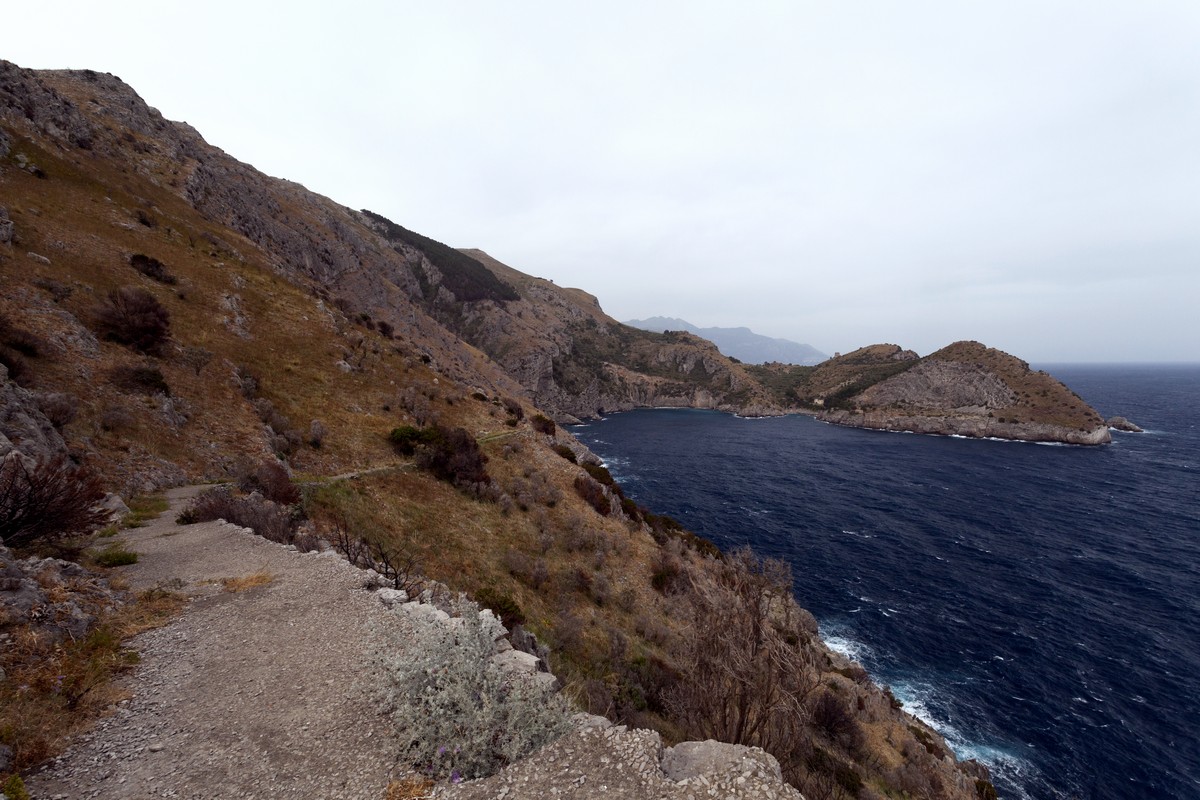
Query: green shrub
(457, 714)
(116, 556)
(451, 454)
(566, 453)
(407, 438)
(543, 424)
(602, 475)
(14, 788)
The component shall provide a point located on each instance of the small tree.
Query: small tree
(47, 502)
(131, 316)
(196, 358)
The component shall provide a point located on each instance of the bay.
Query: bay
(1040, 605)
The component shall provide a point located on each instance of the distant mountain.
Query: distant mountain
(740, 343)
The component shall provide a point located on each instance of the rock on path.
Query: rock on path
(255, 694)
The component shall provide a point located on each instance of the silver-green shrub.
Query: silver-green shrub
(457, 714)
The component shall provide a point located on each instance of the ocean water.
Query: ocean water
(1038, 604)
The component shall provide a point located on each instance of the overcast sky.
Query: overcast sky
(839, 173)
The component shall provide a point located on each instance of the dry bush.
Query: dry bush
(47, 502)
(269, 520)
(152, 268)
(139, 379)
(591, 491)
(746, 671)
(59, 407)
(271, 480)
(58, 291)
(833, 718)
(131, 316)
(115, 418)
(543, 424)
(241, 584)
(530, 571)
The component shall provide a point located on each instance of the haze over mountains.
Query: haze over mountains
(740, 343)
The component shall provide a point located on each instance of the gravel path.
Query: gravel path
(266, 693)
(254, 694)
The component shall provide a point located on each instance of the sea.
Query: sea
(1037, 604)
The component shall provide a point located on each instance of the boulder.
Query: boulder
(688, 760)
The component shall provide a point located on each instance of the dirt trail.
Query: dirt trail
(261, 693)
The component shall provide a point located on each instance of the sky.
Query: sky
(1026, 174)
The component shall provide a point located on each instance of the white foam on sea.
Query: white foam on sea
(850, 648)
(916, 698)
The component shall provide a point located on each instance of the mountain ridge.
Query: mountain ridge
(741, 343)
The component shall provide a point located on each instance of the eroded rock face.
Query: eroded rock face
(23, 426)
(942, 385)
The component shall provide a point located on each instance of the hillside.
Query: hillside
(740, 343)
(170, 315)
(964, 389)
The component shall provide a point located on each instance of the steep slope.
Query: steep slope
(284, 328)
(740, 343)
(964, 389)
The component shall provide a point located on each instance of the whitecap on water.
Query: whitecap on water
(846, 646)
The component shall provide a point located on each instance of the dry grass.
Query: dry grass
(54, 690)
(241, 584)
(409, 788)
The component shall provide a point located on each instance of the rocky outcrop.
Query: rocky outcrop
(598, 762)
(1122, 424)
(965, 389)
(51, 597)
(23, 425)
(973, 426)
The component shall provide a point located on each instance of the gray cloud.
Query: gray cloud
(1023, 173)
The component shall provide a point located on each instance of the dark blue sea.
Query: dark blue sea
(1038, 604)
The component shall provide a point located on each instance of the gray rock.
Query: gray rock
(1122, 424)
(583, 721)
(688, 760)
(115, 506)
(517, 661)
(6, 754)
(38, 258)
(390, 597)
(23, 426)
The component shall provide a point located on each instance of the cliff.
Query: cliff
(173, 315)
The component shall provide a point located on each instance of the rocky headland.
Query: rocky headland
(964, 389)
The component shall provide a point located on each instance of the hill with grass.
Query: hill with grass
(964, 389)
(169, 315)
